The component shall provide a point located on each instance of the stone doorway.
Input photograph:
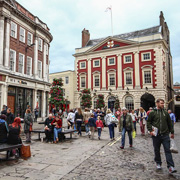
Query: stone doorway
(147, 101)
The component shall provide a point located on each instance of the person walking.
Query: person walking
(78, 120)
(28, 122)
(86, 116)
(134, 118)
(172, 116)
(126, 124)
(92, 125)
(160, 119)
(36, 112)
(109, 124)
(70, 119)
(142, 118)
(99, 125)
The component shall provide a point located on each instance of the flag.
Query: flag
(108, 9)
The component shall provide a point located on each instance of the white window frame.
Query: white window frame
(130, 55)
(142, 56)
(40, 42)
(94, 65)
(67, 78)
(81, 65)
(81, 82)
(39, 70)
(109, 61)
(127, 72)
(94, 78)
(147, 69)
(126, 101)
(23, 63)
(30, 39)
(30, 59)
(15, 29)
(22, 35)
(14, 55)
(109, 74)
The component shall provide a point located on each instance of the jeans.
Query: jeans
(87, 128)
(165, 140)
(79, 127)
(56, 131)
(134, 123)
(111, 130)
(123, 137)
(99, 132)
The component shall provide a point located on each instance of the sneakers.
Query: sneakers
(158, 167)
(172, 169)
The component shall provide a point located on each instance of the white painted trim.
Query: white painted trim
(94, 80)
(40, 40)
(15, 29)
(94, 62)
(111, 73)
(128, 71)
(142, 57)
(23, 63)
(82, 76)
(31, 66)
(14, 60)
(130, 55)
(81, 65)
(31, 39)
(20, 35)
(113, 63)
(143, 70)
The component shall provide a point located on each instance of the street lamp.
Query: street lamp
(28, 46)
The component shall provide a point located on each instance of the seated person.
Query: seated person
(57, 123)
(3, 129)
(14, 135)
(48, 127)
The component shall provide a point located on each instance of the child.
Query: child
(99, 125)
(92, 125)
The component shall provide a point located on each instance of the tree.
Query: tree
(86, 100)
(56, 91)
(116, 104)
(100, 101)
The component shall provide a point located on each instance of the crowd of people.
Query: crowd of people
(94, 121)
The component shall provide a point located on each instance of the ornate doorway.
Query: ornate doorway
(147, 101)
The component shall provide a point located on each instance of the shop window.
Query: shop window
(12, 62)
(22, 35)
(129, 103)
(13, 30)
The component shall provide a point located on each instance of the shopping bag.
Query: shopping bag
(30, 128)
(134, 134)
(25, 151)
(173, 146)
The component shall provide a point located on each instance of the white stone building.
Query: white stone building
(24, 59)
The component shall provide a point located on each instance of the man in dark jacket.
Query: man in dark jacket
(160, 119)
(3, 129)
(48, 128)
(10, 116)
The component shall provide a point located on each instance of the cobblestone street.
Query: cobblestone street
(82, 158)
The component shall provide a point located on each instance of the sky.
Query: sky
(67, 18)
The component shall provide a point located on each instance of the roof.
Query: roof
(130, 35)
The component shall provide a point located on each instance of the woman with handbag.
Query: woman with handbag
(126, 124)
(28, 122)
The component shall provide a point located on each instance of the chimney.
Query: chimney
(85, 37)
(161, 18)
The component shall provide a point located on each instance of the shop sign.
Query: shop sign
(22, 82)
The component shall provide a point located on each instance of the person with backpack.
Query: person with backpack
(109, 123)
(99, 125)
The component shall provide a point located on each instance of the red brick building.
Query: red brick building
(24, 59)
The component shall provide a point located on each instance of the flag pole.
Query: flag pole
(111, 22)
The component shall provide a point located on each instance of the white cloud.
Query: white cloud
(66, 20)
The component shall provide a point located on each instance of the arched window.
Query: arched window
(95, 103)
(129, 103)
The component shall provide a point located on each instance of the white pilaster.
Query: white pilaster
(1, 39)
(44, 63)
(103, 72)
(7, 43)
(136, 64)
(35, 57)
(43, 112)
(119, 68)
(35, 98)
(89, 74)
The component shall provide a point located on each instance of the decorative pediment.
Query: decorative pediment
(111, 43)
(128, 69)
(147, 66)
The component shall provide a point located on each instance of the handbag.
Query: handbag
(30, 128)
(113, 119)
(173, 146)
(25, 151)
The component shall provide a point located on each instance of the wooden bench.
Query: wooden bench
(61, 134)
(8, 147)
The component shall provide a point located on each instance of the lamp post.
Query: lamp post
(28, 46)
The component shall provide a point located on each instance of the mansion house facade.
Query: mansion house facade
(134, 67)
(24, 59)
